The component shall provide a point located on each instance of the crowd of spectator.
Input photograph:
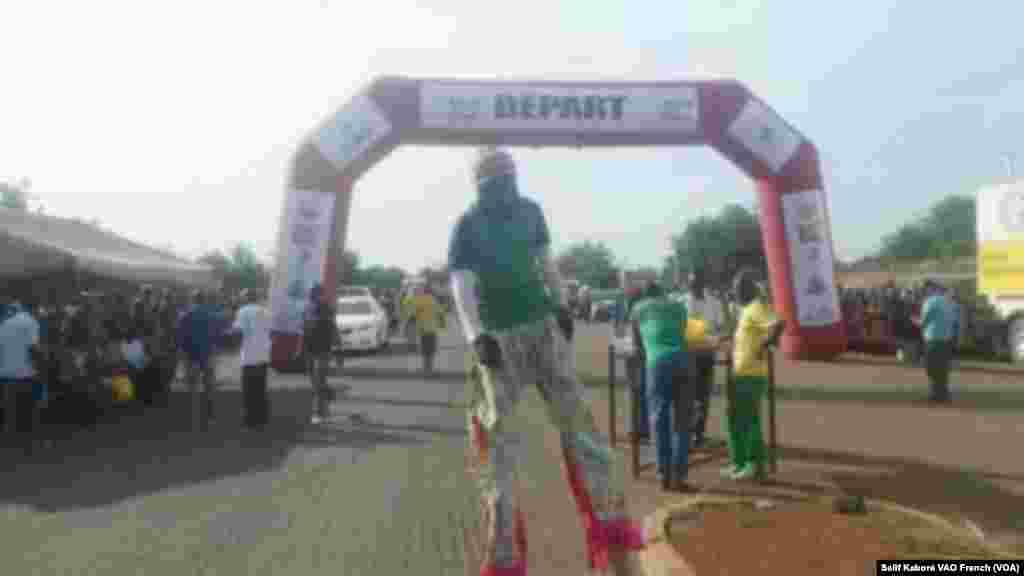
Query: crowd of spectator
(885, 316)
(60, 357)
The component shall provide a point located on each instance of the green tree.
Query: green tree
(14, 196)
(380, 277)
(592, 263)
(241, 270)
(720, 244)
(243, 257)
(247, 271)
(947, 231)
(352, 272)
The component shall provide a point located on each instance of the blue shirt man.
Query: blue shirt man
(19, 334)
(937, 327)
(937, 318)
(197, 330)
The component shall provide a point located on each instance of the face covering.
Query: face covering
(498, 193)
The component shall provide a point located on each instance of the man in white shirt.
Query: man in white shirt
(19, 356)
(253, 323)
(702, 305)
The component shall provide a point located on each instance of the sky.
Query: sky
(174, 123)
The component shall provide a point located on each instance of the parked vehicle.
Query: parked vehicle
(362, 324)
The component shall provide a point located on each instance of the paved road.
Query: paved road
(385, 496)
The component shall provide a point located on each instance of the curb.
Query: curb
(661, 559)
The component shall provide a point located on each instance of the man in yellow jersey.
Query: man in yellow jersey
(757, 326)
(427, 313)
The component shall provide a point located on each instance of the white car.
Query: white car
(362, 324)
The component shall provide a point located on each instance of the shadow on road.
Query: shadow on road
(152, 450)
(433, 430)
(387, 373)
(370, 399)
(401, 348)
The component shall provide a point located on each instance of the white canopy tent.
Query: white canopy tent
(34, 244)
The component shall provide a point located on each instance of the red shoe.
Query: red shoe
(517, 569)
(621, 532)
(618, 534)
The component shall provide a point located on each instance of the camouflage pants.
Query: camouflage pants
(537, 353)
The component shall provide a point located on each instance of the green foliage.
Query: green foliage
(243, 258)
(592, 263)
(13, 197)
(947, 231)
(721, 244)
(379, 277)
(241, 270)
(352, 272)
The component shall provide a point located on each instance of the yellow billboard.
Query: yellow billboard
(1001, 267)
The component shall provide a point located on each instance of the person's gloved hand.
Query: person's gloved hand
(488, 351)
(565, 322)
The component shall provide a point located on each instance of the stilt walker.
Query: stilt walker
(514, 313)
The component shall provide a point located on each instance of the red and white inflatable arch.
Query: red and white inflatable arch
(722, 114)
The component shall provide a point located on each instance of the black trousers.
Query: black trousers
(18, 408)
(636, 371)
(938, 357)
(705, 367)
(147, 382)
(254, 391)
(428, 344)
(168, 371)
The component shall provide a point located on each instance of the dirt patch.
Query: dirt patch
(797, 538)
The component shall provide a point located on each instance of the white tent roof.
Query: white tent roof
(31, 244)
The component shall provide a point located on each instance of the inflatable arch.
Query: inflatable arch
(722, 114)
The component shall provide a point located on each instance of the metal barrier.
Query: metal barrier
(614, 354)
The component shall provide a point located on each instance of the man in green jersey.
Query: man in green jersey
(514, 313)
(660, 322)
